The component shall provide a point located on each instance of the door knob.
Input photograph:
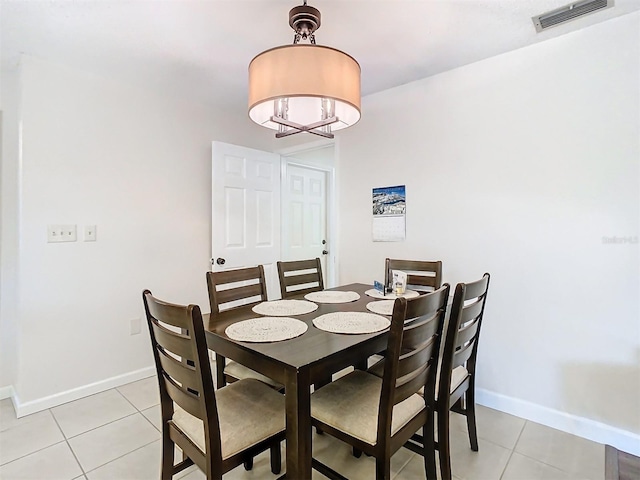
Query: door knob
(324, 252)
(220, 261)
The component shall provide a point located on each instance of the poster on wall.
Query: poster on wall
(389, 214)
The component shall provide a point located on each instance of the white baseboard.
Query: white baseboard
(580, 426)
(39, 404)
(6, 392)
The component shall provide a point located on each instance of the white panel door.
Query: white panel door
(305, 216)
(246, 210)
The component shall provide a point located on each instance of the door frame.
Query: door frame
(286, 154)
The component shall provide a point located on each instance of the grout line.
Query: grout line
(103, 425)
(121, 456)
(67, 442)
(513, 450)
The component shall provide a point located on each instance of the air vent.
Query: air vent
(569, 12)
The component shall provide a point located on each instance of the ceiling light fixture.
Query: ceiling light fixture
(304, 87)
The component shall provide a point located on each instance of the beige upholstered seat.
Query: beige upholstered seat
(333, 405)
(233, 289)
(216, 431)
(377, 415)
(248, 413)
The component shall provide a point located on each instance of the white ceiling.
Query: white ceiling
(200, 49)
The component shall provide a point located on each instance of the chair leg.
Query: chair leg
(168, 451)
(276, 459)
(357, 453)
(248, 464)
(383, 468)
(470, 411)
(220, 364)
(429, 448)
(443, 444)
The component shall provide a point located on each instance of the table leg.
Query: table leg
(298, 406)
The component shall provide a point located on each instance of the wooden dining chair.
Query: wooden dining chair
(421, 276)
(216, 430)
(300, 277)
(458, 369)
(378, 415)
(230, 289)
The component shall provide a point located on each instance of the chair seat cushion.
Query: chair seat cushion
(351, 403)
(239, 371)
(458, 375)
(248, 410)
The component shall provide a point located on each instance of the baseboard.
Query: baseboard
(583, 427)
(43, 403)
(6, 392)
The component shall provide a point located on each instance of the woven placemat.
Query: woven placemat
(351, 322)
(391, 296)
(284, 308)
(381, 307)
(332, 296)
(266, 329)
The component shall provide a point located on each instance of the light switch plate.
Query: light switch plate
(61, 233)
(90, 233)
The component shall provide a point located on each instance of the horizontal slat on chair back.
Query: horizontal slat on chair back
(477, 288)
(471, 311)
(462, 354)
(176, 343)
(233, 294)
(188, 401)
(238, 275)
(467, 332)
(298, 265)
(301, 279)
(413, 371)
(182, 372)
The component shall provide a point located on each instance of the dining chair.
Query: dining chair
(421, 275)
(230, 289)
(216, 430)
(300, 277)
(379, 415)
(458, 369)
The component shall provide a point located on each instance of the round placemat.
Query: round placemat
(381, 307)
(284, 308)
(351, 322)
(266, 329)
(391, 296)
(332, 296)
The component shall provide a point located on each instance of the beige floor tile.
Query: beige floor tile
(154, 415)
(525, 468)
(143, 393)
(261, 469)
(91, 412)
(104, 444)
(497, 427)
(141, 464)
(487, 463)
(574, 455)
(24, 438)
(53, 463)
(415, 469)
(8, 417)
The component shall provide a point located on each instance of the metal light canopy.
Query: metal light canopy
(304, 87)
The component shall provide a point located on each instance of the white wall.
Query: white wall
(519, 165)
(136, 164)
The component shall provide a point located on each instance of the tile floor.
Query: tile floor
(115, 435)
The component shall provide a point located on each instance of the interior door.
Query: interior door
(246, 210)
(305, 219)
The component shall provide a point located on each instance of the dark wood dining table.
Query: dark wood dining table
(299, 363)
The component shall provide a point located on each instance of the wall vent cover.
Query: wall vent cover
(569, 12)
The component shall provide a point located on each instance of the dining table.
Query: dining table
(298, 363)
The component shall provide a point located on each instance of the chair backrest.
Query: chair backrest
(420, 275)
(182, 364)
(462, 336)
(411, 358)
(244, 286)
(300, 277)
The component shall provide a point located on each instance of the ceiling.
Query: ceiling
(200, 49)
